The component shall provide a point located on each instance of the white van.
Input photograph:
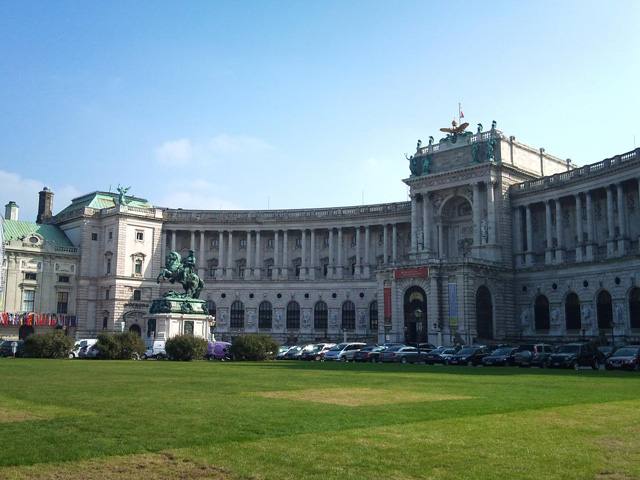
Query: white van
(155, 350)
(81, 347)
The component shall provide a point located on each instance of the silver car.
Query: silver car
(343, 352)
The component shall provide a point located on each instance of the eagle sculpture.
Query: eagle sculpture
(455, 130)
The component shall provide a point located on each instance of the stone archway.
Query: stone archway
(136, 328)
(484, 314)
(25, 331)
(415, 316)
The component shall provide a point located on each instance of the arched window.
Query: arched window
(211, 307)
(348, 315)
(293, 315)
(373, 315)
(237, 315)
(572, 312)
(634, 308)
(320, 316)
(265, 315)
(605, 310)
(541, 312)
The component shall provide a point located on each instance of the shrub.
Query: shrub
(54, 344)
(186, 348)
(120, 346)
(254, 348)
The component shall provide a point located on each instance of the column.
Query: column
(529, 251)
(358, 251)
(331, 269)
(477, 215)
(303, 256)
(230, 257)
(579, 228)
(340, 265)
(220, 269)
(173, 240)
(590, 238)
(257, 267)
(247, 268)
(518, 241)
(491, 213)
(426, 225)
(202, 261)
(312, 255)
(164, 246)
(622, 224)
(276, 254)
(367, 250)
(385, 244)
(285, 254)
(440, 242)
(559, 232)
(549, 250)
(394, 244)
(192, 241)
(414, 223)
(611, 223)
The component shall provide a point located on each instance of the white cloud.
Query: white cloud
(211, 150)
(197, 194)
(176, 152)
(24, 191)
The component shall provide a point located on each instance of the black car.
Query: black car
(576, 355)
(8, 346)
(440, 355)
(368, 354)
(470, 356)
(501, 357)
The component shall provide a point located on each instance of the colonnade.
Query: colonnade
(582, 237)
(306, 253)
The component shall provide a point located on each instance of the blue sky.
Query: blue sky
(282, 104)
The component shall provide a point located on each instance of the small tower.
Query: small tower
(45, 205)
(11, 211)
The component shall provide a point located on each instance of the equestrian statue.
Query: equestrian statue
(184, 273)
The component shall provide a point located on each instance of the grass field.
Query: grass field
(72, 419)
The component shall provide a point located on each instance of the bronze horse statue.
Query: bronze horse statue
(175, 271)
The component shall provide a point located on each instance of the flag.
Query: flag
(461, 113)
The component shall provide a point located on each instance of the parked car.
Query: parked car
(80, 343)
(440, 355)
(296, 352)
(576, 355)
(283, 350)
(218, 351)
(401, 355)
(470, 356)
(343, 352)
(534, 355)
(317, 352)
(625, 358)
(84, 351)
(501, 357)
(426, 347)
(369, 354)
(92, 352)
(155, 350)
(606, 350)
(12, 348)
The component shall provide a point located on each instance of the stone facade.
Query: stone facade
(499, 242)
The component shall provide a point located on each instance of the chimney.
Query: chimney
(11, 211)
(45, 205)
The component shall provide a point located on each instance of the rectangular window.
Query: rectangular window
(110, 235)
(271, 242)
(94, 237)
(214, 243)
(28, 300)
(63, 279)
(325, 241)
(269, 271)
(137, 295)
(107, 294)
(243, 243)
(298, 243)
(139, 235)
(30, 276)
(138, 267)
(63, 301)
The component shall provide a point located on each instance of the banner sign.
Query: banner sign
(412, 272)
(387, 302)
(453, 304)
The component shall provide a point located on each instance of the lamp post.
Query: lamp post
(418, 314)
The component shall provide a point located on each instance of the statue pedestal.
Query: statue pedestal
(178, 315)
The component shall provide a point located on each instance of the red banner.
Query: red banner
(412, 272)
(387, 302)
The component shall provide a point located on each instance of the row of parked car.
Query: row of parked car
(542, 355)
(87, 348)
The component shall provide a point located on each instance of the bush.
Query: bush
(186, 348)
(254, 348)
(54, 344)
(120, 346)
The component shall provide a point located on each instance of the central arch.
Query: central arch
(415, 315)
(484, 313)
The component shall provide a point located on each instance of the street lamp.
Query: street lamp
(418, 313)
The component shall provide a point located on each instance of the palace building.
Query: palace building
(499, 242)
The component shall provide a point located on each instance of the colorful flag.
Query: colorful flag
(461, 113)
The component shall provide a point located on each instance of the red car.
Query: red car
(625, 358)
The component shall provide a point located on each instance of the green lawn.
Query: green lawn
(77, 419)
